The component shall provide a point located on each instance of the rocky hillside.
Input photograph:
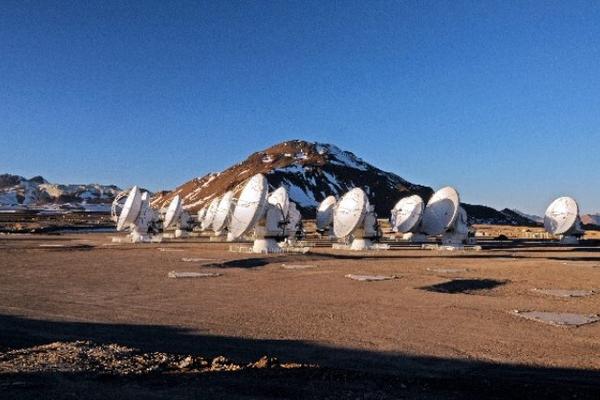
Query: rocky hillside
(310, 172)
(19, 192)
(487, 215)
(591, 221)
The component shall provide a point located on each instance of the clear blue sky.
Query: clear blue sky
(498, 98)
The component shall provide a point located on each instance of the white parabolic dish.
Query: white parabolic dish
(173, 212)
(349, 212)
(561, 216)
(249, 207)
(131, 209)
(325, 212)
(441, 211)
(222, 213)
(280, 199)
(407, 213)
(201, 214)
(210, 213)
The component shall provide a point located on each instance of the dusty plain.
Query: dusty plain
(443, 329)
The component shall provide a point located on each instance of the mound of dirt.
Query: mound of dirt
(114, 359)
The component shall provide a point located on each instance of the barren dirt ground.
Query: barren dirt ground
(336, 337)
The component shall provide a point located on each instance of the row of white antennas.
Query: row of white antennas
(443, 215)
(132, 211)
(273, 218)
(353, 217)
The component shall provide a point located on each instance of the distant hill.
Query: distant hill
(536, 218)
(591, 221)
(310, 172)
(488, 215)
(19, 192)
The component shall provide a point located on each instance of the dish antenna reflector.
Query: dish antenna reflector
(325, 213)
(200, 215)
(294, 221)
(137, 216)
(562, 219)
(210, 214)
(266, 215)
(354, 216)
(444, 216)
(441, 211)
(280, 199)
(131, 209)
(249, 207)
(223, 213)
(117, 205)
(407, 214)
(174, 212)
(349, 212)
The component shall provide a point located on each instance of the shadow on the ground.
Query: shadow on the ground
(344, 373)
(466, 286)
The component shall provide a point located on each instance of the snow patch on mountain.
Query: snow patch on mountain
(19, 192)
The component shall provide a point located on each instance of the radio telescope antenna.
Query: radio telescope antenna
(223, 213)
(249, 207)
(200, 215)
(131, 209)
(265, 215)
(354, 216)
(407, 213)
(176, 217)
(210, 214)
(325, 214)
(117, 205)
(441, 211)
(173, 212)
(444, 216)
(294, 219)
(562, 219)
(137, 216)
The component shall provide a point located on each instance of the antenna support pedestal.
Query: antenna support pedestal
(415, 237)
(265, 245)
(359, 244)
(454, 239)
(568, 239)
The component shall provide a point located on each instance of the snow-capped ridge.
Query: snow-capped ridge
(18, 192)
